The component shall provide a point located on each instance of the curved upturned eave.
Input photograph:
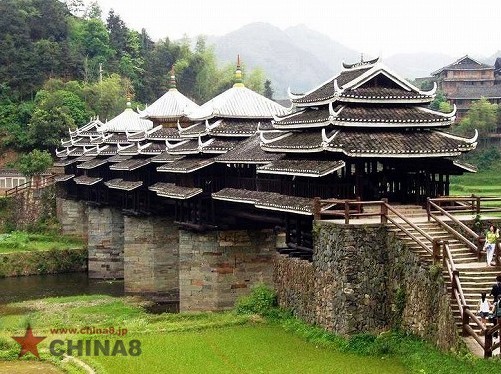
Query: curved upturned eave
(392, 125)
(376, 154)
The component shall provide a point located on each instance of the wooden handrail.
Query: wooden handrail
(466, 313)
(46, 181)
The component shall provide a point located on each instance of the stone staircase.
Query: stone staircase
(474, 275)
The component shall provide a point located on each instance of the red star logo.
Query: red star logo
(28, 342)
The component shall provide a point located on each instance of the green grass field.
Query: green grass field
(18, 241)
(220, 342)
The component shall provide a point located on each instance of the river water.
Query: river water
(14, 289)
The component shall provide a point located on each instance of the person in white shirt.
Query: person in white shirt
(484, 308)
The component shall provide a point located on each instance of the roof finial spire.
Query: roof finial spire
(172, 82)
(362, 57)
(238, 75)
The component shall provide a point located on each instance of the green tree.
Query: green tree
(482, 116)
(34, 163)
(46, 129)
(268, 90)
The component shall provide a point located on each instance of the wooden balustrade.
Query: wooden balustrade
(36, 185)
(353, 209)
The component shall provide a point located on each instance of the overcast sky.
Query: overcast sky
(373, 27)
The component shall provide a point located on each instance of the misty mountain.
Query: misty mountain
(301, 58)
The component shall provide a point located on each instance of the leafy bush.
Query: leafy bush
(262, 300)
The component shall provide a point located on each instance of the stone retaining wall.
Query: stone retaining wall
(363, 280)
(216, 268)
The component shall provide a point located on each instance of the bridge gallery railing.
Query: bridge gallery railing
(31, 185)
(437, 249)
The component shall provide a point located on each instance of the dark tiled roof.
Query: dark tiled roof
(120, 184)
(154, 149)
(118, 158)
(165, 157)
(110, 150)
(84, 158)
(4, 172)
(389, 115)
(358, 143)
(64, 162)
(137, 136)
(63, 177)
(131, 164)
(301, 141)
(220, 146)
(117, 138)
(173, 191)
(198, 129)
(398, 144)
(476, 92)
(83, 179)
(236, 127)
(248, 151)
(305, 116)
(267, 200)
(369, 93)
(90, 133)
(326, 91)
(311, 168)
(92, 163)
(130, 149)
(165, 133)
(186, 165)
(190, 147)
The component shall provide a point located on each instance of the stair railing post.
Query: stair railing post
(346, 212)
(465, 319)
(455, 275)
(428, 209)
(436, 250)
(384, 210)
(496, 253)
(480, 246)
(488, 344)
(316, 209)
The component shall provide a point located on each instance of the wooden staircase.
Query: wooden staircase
(475, 276)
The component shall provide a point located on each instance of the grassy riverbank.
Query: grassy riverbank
(24, 253)
(19, 241)
(484, 183)
(220, 342)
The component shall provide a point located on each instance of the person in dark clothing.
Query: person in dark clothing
(496, 289)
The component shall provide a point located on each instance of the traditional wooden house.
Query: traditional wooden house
(467, 80)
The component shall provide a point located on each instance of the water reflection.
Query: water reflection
(14, 289)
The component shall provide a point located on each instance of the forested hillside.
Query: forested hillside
(61, 63)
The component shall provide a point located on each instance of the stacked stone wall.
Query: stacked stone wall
(364, 280)
(105, 243)
(216, 268)
(72, 216)
(151, 253)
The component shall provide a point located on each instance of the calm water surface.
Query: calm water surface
(14, 289)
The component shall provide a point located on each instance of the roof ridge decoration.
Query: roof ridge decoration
(326, 140)
(202, 144)
(438, 113)
(472, 140)
(238, 75)
(361, 64)
(268, 141)
(172, 81)
(171, 146)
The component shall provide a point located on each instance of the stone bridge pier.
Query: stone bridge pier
(199, 271)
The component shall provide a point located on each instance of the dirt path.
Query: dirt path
(28, 367)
